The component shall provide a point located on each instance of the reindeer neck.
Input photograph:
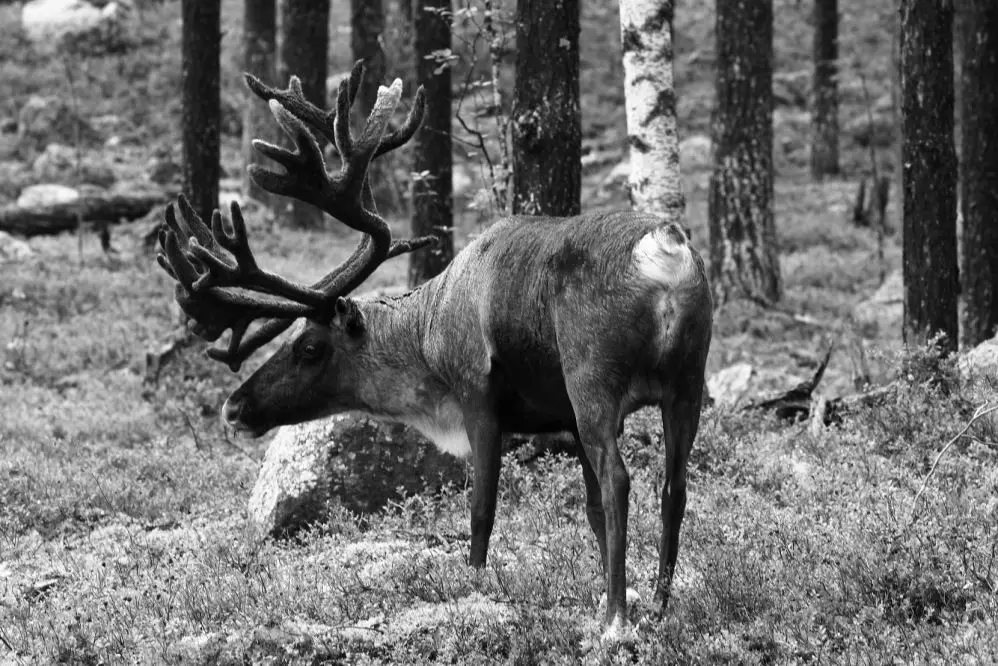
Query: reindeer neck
(399, 381)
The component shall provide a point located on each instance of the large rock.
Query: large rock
(47, 194)
(45, 120)
(728, 386)
(356, 461)
(58, 163)
(981, 362)
(88, 28)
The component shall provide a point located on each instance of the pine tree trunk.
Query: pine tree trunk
(743, 250)
(825, 126)
(979, 168)
(546, 116)
(431, 192)
(201, 103)
(367, 22)
(650, 101)
(304, 53)
(929, 173)
(259, 59)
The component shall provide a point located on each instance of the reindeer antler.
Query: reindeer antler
(219, 284)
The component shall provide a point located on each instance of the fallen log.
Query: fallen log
(102, 207)
(800, 403)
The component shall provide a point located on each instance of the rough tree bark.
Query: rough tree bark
(547, 118)
(201, 103)
(259, 59)
(929, 173)
(367, 22)
(432, 157)
(979, 168)
(303, 53)
(650, 101)
(743, 251)
(825, 124)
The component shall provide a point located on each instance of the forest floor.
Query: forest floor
(123, 533)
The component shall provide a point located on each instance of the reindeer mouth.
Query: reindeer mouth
(248, 431)
(234, 413)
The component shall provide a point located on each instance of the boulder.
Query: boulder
(87, 28)
(356, 461)
(981, 362)
(728, 386)
(47, 194)
(58, 163)
(45, 120)
(884, 311)
(13, 249)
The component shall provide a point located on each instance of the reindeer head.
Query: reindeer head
(220, 286)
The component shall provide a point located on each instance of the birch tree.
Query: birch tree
(650, 102)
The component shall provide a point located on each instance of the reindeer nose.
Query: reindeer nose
(232, 410)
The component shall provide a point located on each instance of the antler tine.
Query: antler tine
(341, 129)
(399, 136)
(239, 349)
(293, 99)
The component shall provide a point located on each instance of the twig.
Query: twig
(478, 134)
(979, 413)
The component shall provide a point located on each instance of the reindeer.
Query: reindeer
(539, 325)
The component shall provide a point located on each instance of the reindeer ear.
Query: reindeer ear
(349, 316)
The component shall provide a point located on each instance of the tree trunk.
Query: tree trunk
(259, 51)
(650, 101)
(201, 102)
(979, 168)
(432, 189)
(547, 119)
(304, 47)
(367, 22)
(743, 251)
(929, 172)
(825, 127)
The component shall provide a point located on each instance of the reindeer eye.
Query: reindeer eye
(311, 350)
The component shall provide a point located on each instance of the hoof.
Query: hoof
(618, 632)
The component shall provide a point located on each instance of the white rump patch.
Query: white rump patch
(660, 257)
(445, 428)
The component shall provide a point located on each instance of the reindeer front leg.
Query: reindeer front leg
(486, 455)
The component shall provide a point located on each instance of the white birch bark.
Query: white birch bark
(650, 99)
